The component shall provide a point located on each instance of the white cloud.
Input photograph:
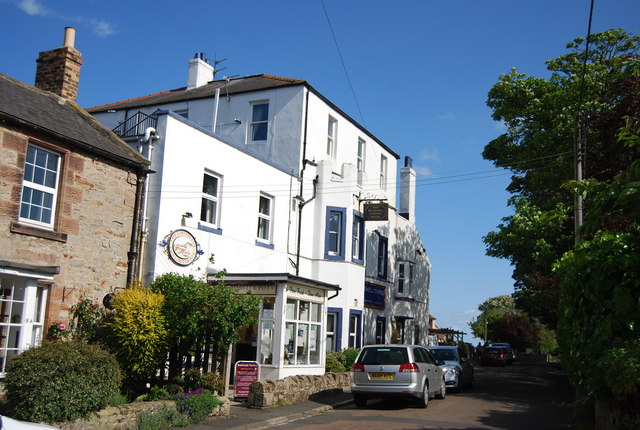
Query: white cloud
(102, 28)
(446, 116)
(36, 8)
(423, 171)
(427, 154)
(32, 7)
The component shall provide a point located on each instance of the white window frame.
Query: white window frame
(332, 137)
(21, 316)
(265, 218)
(356, 240)
(405, 278)
(297, 321)
(383, 172)
(214, 199)
(331, 334)
(31, 167)
(337, 234)
(258, 122)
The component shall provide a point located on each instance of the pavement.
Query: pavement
(242, 417)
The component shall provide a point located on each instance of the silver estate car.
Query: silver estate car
(457, 367)
(396, 371)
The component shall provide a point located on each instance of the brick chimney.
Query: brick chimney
(59, 70)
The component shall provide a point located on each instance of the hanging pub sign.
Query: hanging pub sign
(376, 212)
(181, 247)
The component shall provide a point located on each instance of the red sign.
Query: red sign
(246, 373)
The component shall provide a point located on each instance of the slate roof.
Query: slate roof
(231, 86)
(53, 115)
(227, 87)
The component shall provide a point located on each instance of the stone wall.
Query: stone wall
(123, 417)
(293, 389)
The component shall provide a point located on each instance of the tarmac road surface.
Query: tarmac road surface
(521, 396)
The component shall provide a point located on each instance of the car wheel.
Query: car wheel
(424, 400)
(360, 401)
(443, 390)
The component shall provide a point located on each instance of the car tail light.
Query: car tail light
(409, 368)
(357, 367)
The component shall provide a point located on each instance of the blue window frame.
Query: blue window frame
(334, 329)
(357, 238)
(334, 238)
(355, 328)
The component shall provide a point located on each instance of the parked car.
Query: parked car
(495, 355)
(512, 353)
(7, 423)
(457, 367)
(409, 371)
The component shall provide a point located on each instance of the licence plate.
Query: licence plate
(384, 375)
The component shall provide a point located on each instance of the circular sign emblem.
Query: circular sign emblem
(182, 247)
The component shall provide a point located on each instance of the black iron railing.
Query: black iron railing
(135, 125)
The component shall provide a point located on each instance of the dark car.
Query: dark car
(408, 371)
(495, 355)
(512, 353)
(457, 367)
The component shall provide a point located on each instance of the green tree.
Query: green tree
(202, 317)
(491, 311)
(541, 120)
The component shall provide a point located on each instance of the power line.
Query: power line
(342, 61)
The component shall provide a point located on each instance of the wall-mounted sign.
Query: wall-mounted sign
(374, 296)
(376, 212)
(182, 247)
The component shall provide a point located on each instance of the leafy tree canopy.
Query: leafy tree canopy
(541, 120)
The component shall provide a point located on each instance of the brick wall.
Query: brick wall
(59, 72)
(93, 222)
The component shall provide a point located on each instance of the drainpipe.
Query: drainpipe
(140, 212)
(300, 207)
(133, 268)
(304, 165)
(215, 111)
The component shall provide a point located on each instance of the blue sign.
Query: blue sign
(374, 296)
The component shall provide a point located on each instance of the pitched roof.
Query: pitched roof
(230, 86)
(53, 115)
(227, 87)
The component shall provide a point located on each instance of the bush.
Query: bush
(86, 318)
(192, 379)
(335, 363)
(350, 355)
(139, 334)
(197, 405)
(60, 381)
(162, 419)
(157, 393)
(213, 382)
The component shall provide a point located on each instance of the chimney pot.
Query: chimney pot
(69, 37)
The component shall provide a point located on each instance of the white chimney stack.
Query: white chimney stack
(200, 71)
(408, 190)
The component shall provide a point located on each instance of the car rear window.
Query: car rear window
(384, 356)
(444, 354)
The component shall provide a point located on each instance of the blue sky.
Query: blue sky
(420, 71)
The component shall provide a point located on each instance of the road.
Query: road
(521, 396)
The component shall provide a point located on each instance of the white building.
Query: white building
(272, 179)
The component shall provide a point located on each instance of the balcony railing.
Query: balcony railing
(135, 125)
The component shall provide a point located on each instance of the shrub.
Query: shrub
(350, 355)
(139, 334)
(86, 317)
(58, 331)
(162, 419)
(192, 379)
(335, 362)
(213, 382)
(61, 381)
(197, 405)
(157, 393)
